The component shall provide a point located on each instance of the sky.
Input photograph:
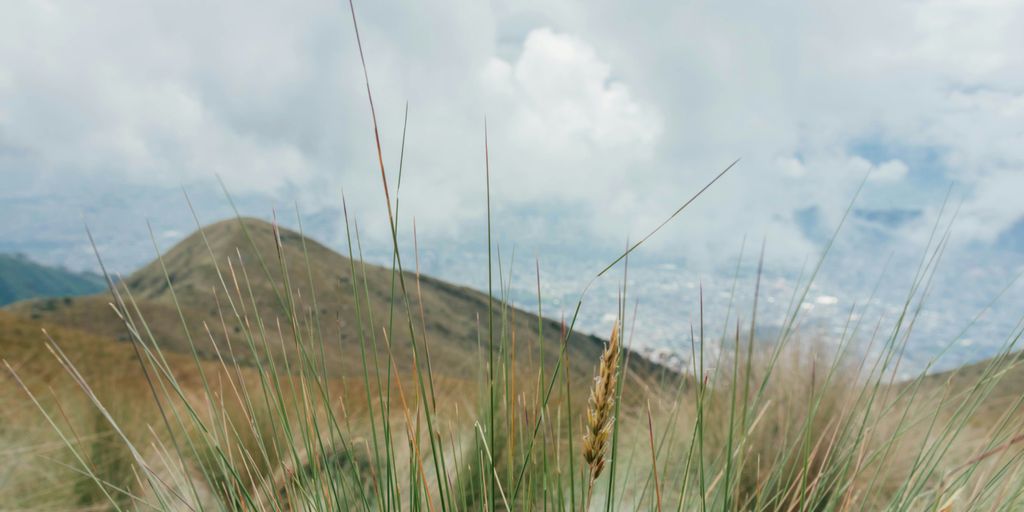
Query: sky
(602, 118)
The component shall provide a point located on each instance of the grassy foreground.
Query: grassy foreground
(261, 415)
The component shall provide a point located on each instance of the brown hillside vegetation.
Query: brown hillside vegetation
(245, 254)
(294, 386)
(221, 396)
(239, 342)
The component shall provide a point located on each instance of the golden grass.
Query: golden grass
(797, 429)
(600, 413)
(602, 404)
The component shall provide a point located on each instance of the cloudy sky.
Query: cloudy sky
(603, 117)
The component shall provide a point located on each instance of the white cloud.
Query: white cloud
(990, 202)
(564, 128)
(130, 91)
(615, 112)
(889, 171)
(562, 98)
(792, 167)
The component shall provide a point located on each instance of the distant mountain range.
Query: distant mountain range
(22, 278)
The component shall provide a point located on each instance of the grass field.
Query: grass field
(248, 379)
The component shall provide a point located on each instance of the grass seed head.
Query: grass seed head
(602, 400)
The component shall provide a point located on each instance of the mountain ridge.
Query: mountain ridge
(253, 257)
(22, 279)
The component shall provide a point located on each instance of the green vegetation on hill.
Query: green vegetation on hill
(22, 278)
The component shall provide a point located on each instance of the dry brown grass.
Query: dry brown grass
(600, 414)
(823, 430)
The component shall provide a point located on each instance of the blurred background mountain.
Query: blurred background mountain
(22, 278)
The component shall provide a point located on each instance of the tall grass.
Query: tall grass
(792, 423)
(795, 423)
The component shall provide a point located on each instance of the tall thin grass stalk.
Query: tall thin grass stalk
(600, 415)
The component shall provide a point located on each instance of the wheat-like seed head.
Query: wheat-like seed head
(602, 401)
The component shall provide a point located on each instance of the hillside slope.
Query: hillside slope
(240, 292)
(450, 321)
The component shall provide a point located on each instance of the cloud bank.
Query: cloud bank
(602, 117)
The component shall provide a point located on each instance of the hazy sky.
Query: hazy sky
(603, 116)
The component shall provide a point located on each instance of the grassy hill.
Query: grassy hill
(49, 476)
(451, 321)
(249, 308)
(254, 369)
(21, 278)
